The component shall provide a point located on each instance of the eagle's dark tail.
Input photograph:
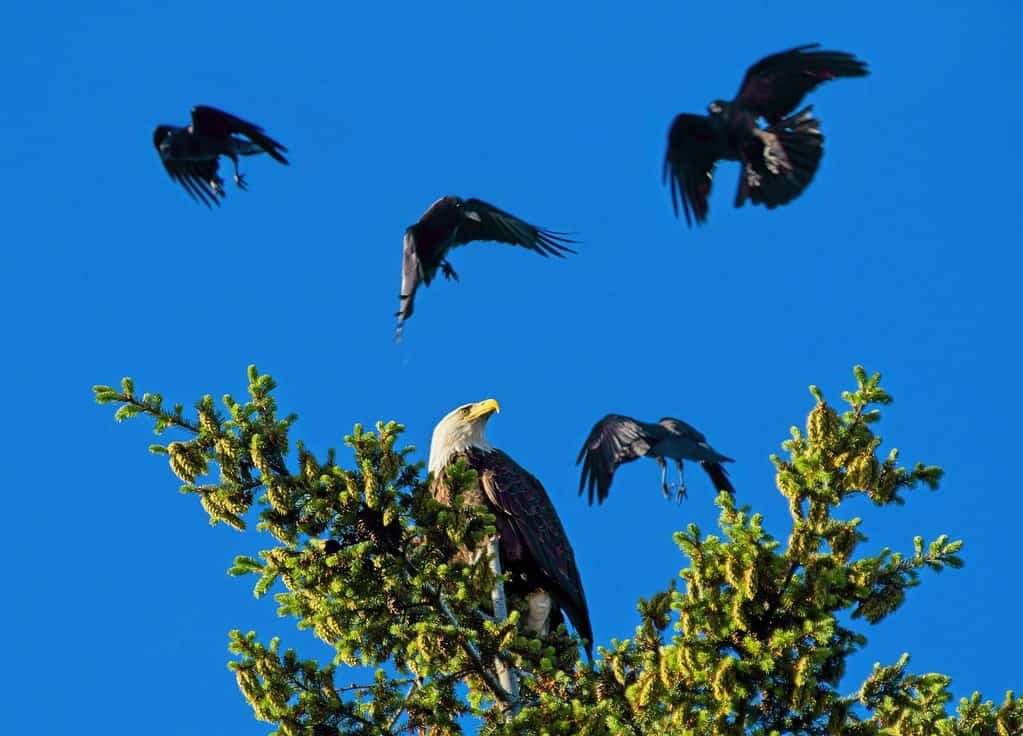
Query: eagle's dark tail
(782, 161)
(719, 476)
(580, 621)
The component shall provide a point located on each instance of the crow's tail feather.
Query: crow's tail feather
(783, 162)
(719, 476)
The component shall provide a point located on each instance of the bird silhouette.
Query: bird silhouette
(779, 161)
(452, 221)
(618, 439)
(191, 153)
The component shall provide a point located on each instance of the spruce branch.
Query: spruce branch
(755, 639)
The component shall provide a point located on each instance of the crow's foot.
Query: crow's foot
(667, 488)
(449, 273)
(681, 495)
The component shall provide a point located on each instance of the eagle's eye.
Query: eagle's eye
(465, 409)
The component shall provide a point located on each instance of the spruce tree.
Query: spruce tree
(753, 639)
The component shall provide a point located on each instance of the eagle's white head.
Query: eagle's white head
(465, 427)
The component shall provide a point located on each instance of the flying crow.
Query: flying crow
(778, 161)
(452, 221)
(617, 439)
(190, 153)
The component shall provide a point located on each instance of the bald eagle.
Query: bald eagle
(617, 439)
(452, 221)
(534, 548)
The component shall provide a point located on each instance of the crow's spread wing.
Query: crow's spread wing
(689, 165)
(614, 440)
(774, 86)
(199, 179)
(411, 275)
(213, 123)
(482, 221)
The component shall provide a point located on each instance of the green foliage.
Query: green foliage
(755, 640)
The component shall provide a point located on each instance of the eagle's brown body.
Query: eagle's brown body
(534, 547)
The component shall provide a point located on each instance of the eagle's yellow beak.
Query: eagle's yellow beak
(483, 409)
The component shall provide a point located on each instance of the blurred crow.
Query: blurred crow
(190, 153)
(452, 221)
(778, 161)
(618, 439)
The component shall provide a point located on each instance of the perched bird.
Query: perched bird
(778, 161)
(534, 548)
(190, 153)
(452, 221)
(617, 439)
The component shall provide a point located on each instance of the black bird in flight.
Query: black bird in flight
(618, 439)
(190, 153)
(778, 161)
(452, 221)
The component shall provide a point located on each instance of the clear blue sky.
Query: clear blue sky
(902, 255)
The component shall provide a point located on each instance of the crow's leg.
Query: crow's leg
(449, 273)
(681, 482)
(239, 178)
(664, 476)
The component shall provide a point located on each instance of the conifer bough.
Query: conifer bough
(753, 639)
